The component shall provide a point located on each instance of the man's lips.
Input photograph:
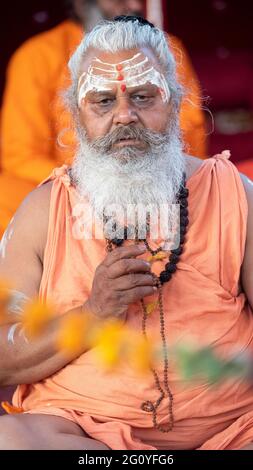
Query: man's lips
(124, 142)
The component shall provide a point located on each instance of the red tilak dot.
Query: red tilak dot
(120, 77)
(119, 67)
(123, 88)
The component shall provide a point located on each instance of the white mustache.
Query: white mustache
(151, 138)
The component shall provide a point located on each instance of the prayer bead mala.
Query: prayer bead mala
(165, 276)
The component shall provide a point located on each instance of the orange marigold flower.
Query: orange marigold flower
(36, 317)
(73, 333)
(140, 355)
(111, 343)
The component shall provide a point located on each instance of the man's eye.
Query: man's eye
(141, 98)
(105, 101)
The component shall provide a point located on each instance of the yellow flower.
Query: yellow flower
(73, 334)
(158, 257)
(140, 355)
(150, 307)
(36, 317)
(111, 342)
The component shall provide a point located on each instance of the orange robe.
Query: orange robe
(202, 302)
(33, 116)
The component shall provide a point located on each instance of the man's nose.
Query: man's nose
(124, 113)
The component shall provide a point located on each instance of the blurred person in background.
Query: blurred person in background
(33, 114)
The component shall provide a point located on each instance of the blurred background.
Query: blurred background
(216, 33)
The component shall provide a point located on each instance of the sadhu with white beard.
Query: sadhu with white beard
(125, 100)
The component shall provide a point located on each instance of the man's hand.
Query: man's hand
(120, 280)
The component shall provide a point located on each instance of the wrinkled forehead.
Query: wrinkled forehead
(104, 71)
(102, 62)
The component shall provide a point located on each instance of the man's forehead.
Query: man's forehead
(130, 56)
(123, 69)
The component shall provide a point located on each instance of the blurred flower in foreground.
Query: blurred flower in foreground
(205, 364)
(114, 342)
(4, 300)
(141, 355)
(36, 318)
(110, 344)
(73, 333)
(117, 343)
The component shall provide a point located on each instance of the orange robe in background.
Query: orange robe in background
(33, 116)
(202, 303)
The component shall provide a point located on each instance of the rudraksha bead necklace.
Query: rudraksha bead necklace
(165, 276)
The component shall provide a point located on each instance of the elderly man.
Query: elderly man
(34, 118)
(125, 100)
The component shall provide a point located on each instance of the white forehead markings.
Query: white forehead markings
(129, 73)
(128, 61)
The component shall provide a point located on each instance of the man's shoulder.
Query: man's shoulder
(192, 165)
(32, 217)
(39, 198)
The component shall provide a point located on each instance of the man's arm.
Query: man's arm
(27, 141)
(247, 267)
(21, 259)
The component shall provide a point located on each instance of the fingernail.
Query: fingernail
(154, 289)
(147, 264)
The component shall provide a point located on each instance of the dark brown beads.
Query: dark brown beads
(165, 276)
(147, 406)
(177, 251)
(184, 203)
(184, 192)
(118, 241)
(183, 230)
(171, 268)
(182, 239)
(184, 220)
(183, 212)
(174, 258)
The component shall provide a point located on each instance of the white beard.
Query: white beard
(128, 177)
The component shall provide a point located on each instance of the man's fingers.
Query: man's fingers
(131, 281)
(128, 266)
(137, 293)
(124, 253)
